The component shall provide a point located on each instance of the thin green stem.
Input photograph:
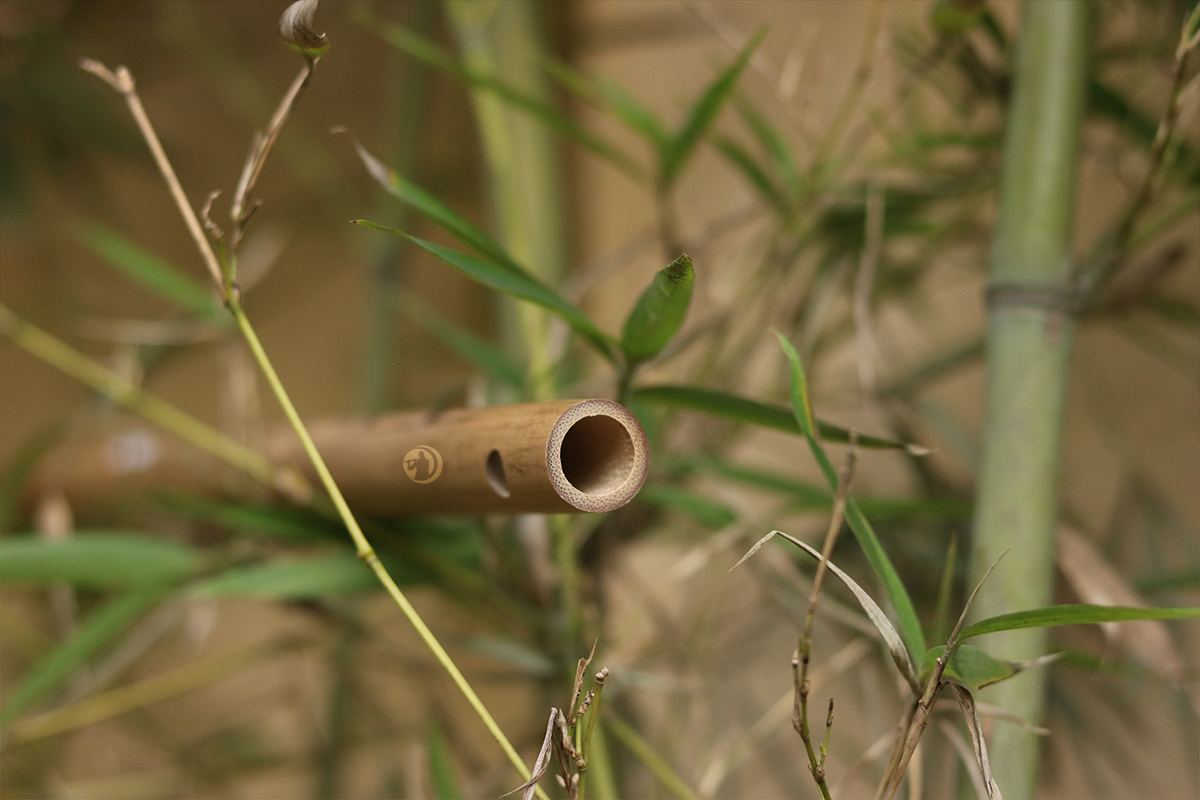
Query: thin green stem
(644, 753)
(365, 551)
(567, 563)
(599, 775)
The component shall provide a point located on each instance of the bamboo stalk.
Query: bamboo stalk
(535, 458)
(1029, 339)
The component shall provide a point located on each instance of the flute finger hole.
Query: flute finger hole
(495, 474)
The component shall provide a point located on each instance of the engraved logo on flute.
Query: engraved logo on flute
(423, 464)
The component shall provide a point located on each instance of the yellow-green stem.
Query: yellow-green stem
(365, 551)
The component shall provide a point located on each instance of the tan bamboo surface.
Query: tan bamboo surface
(568, 455)
(561, 456)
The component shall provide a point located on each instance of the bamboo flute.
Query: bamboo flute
(535, 458)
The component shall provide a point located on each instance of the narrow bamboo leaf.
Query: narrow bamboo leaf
(942, 606)
(101, 628)
(343, 573)
(489, 359)
(709, 512)
(431, 53)
(517, 283)
(879, 619)
(659, 311)
(1169, 582)
(893, 587)
(754, 412)
(96, 559)
(752, 170)
(150, 272)
(806, 495)
(627, 109)
(680, 147)
(801, 406)
(283, 522)
(441, 766)
(720, 404)
(970, 666)
(610, 97)
(409, 193)
(1072, 615)
(782, 162)
(814, 498)
(528, 660)
(954, 19)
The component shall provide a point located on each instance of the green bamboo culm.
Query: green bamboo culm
(1029, 340)
(502, 40)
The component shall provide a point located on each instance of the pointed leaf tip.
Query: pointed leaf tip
(659, 312)
(801, 407)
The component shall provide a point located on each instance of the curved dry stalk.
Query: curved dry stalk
(122, 81)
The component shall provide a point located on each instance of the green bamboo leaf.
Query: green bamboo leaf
(1078, 614)
(342, 573)
(720, 404)
(434, 55)
(970, 666)
(659, 311)
(517, 283)
(513, 653)
(100, 628)
(679, 148)
(801, 405)
(441, 766)
(96, 559)
(805, 495)
(278, 521)
(765, 415)
(151, 272)
(949, 18)
(877, 557)
(814, 498)
(1168, 582)
(895, 645)
(752, 170)
(409, 193)
(782, 162)
(610, 97)
(491, 360)
(942, 605)
(709, 512)
(627, 109)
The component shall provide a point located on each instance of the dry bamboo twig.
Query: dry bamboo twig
(924, 708)
(804, 648)
(122, 81)
(1093, 277)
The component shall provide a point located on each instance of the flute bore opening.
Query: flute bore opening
(495, 474)
(597, 455)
